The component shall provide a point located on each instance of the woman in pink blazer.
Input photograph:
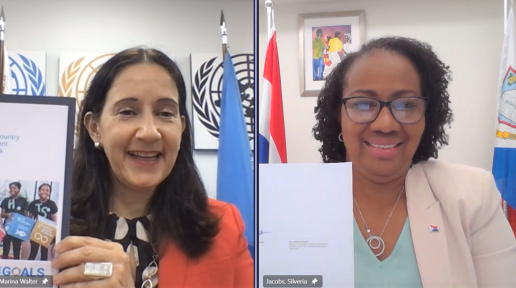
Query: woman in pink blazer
(418, 222)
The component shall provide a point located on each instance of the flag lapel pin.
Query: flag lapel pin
(433, 228)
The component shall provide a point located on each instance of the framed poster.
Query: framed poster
(324, 41)
(76, 70)
(28, 72)
(36, 143)
(207, 70)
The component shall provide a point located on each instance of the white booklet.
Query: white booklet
(306, 225)
(36, 144)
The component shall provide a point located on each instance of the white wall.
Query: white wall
(176, 27)
(465, 34)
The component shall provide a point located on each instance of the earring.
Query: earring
(98, 145)
(340, 138)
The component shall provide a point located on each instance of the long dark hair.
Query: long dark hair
(179, 206)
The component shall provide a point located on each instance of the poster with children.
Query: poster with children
(36, 143)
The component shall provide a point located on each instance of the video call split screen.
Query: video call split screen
(134, 151)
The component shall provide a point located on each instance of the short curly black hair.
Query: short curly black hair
(434, 75)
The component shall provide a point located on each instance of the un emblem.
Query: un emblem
(27, 78)
(77, 77)
(207, 92)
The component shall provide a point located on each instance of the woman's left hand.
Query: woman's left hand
(75, 251)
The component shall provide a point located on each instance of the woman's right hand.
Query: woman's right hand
(74, 252)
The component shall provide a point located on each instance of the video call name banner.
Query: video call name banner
(45, 281)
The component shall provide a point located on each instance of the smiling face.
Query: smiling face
(44, 192)
(383, 147)
(140, 126)
(14, 190)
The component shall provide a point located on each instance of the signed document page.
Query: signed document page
(306, 225)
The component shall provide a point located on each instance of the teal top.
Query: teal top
(399, 270)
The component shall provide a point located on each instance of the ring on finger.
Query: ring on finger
(98, 269)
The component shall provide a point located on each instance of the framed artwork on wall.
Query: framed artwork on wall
(324, 41)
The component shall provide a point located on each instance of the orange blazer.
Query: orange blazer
(228, 264)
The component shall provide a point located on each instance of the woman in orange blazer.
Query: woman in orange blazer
(140, 213)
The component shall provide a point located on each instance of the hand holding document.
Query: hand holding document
(306, 225)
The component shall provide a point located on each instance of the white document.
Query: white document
(306, 223)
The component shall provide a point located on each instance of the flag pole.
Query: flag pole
(2, 50)
(506, 209)
(505, 15)
(268, 5)
(504, 203)
(223, 34)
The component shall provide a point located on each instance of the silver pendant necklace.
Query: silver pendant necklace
(150, 274)
(380, 244)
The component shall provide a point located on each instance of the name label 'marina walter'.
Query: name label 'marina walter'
(26, 281)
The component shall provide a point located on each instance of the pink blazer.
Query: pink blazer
(475, 246)
(227, 265)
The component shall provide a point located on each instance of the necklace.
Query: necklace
(380, 244)
(150, 274)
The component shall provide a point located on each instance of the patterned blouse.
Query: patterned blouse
(133, 236)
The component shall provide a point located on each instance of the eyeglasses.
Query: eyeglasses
(363, 110)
